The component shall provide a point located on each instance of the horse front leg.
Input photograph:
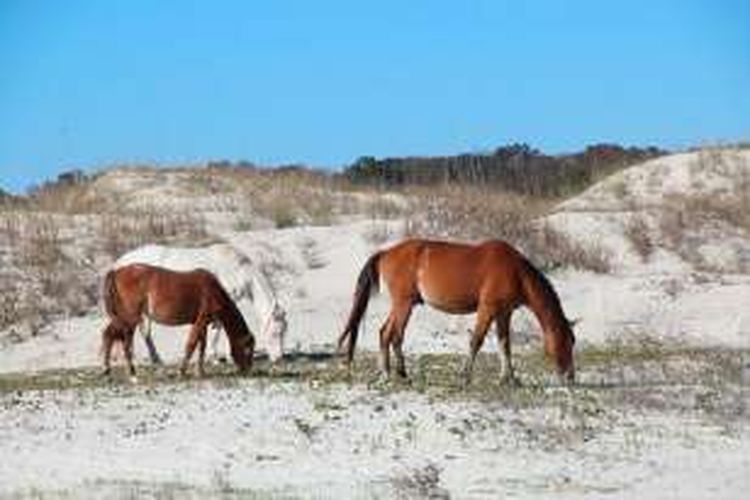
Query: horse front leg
(215, 339)
(202, 352)
(507, 376)
(197, 331)
(484, 319)
(145, 329)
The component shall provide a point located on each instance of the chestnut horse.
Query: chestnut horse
(491, 279)
(172, 298)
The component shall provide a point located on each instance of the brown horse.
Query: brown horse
(172, 298)
(491, 279)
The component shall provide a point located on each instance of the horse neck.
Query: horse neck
(233, 322)
(263, 300)
(543, 301)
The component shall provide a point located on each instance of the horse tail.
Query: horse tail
(110, 294)
(110, 297)
(367, 282)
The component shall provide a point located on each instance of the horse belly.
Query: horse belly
(450, 298)
(446, 280)
(171, 312)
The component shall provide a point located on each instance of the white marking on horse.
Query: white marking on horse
(150, 306)
(421, 271)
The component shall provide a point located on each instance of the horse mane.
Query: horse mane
(544, 284)
(266, 294)
(234, 320)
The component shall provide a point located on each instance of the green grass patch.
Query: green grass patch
(646, 374)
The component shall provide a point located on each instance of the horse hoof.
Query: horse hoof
(106, 374)
(510, 381)
(404, 379)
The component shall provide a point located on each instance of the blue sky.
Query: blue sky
(89, 84)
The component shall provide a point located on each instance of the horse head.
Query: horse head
(564, 352)
(242, 351)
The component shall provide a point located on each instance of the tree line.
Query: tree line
(516, 167)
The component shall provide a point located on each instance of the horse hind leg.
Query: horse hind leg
(109, 335)
(127, 347)
(384, 361)
(391, 336)
(398, 330)
(113, 333)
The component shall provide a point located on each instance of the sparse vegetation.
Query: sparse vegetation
(124, 231)
(685, 220)
(639, 235)
(420, 483)
(65, 230)
(479, 214)
(619, 384)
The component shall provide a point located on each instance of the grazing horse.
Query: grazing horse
(239, 278)
(491, 279)
(172, 298)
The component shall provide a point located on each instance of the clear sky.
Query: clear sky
(89, 84)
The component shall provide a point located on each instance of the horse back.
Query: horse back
(169, 297)
(451, 276)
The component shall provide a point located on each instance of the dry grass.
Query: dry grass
(124, 231)
(53, 261)
(11, 307)
(41, 279)
(638, 233)
(479, 214)
(687, 220)
(67, 198)
(57, 240)
(39, 240)
(291, 196)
